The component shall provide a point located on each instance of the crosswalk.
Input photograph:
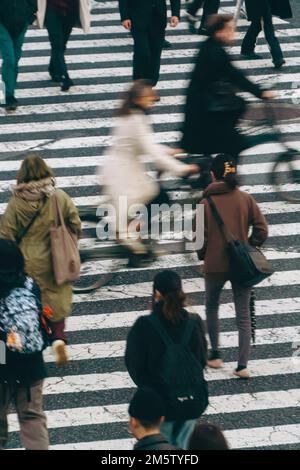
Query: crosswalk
(86, 401)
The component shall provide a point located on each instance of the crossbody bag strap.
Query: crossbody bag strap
(226, 233)
(25, 230)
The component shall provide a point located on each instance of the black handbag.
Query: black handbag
(248, 265)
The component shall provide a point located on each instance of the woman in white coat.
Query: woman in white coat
(124, 171)
(59, 17)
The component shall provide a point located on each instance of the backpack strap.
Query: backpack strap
(161, 330)
(189, 328)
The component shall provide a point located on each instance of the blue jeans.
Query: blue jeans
(11, 50)
(178, 433)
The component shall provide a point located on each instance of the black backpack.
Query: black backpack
(182, 384)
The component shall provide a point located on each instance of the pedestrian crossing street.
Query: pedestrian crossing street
(86, 401)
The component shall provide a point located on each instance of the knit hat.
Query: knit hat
(146, 405)
(167, 281)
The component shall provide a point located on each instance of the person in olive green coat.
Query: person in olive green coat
(34, 190)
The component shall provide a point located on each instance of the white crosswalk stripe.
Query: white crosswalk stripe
(86, 402)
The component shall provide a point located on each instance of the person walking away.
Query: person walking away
(60, 17)
(124, 172)
(210, 7)
(22, 368)
(212, 107)
(240, 213)
(33, 199)
(207, 436)
(260, 14)
(146, 412)
(166, 351)
(147, 21)
(15, 18)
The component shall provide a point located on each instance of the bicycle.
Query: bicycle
(284, 176)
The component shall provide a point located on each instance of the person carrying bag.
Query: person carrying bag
(43, 231)
(228, 257)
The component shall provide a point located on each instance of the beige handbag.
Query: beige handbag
(64, 249)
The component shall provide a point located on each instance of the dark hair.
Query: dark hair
(207, 436)
(216, 23)
(224, 169)
(33, 168)
(168, 284)
(132, 95)
(12, 272)
(149, 424)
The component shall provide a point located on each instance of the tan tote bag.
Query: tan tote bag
(64, 249)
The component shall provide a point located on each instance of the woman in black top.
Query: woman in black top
(146, 354)
(212, 107)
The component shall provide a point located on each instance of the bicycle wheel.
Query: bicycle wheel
(285, 175)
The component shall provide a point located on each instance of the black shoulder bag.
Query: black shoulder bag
(248, 265)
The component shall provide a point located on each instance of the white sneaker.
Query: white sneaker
(60, 351)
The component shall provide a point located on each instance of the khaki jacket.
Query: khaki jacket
(36, 248)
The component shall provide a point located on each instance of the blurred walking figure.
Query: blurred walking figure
(146, 415)
(15, 18)
(240, 213)
(212, 106)
(260, 13)
(23, 370)
(147, 21)
(207, 436)
(60, 17)
(210, 7)
(166, 351)
(124, 172)
(30, 215)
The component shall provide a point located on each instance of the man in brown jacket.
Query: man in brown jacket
(240, 212)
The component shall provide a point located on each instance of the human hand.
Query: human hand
(174, 21)
(194, 169)
(127, 24)
(268, 95)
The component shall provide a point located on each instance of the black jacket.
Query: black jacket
(155, 442)
(15, 15)
(203, 133)
(139, 11)
(145, 349)
(257, 8)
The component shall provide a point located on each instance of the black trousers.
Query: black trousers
(147, 49)
(210, 7)
(266, 22)
(59, 29)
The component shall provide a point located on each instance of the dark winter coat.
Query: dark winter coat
(145, 349)
(240, 212)
(213, 132)
(15, 15)
(155, 442)
(139, 11)
(258, 8)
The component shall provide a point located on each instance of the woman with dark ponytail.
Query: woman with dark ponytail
(155, 358)
(240, 213)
